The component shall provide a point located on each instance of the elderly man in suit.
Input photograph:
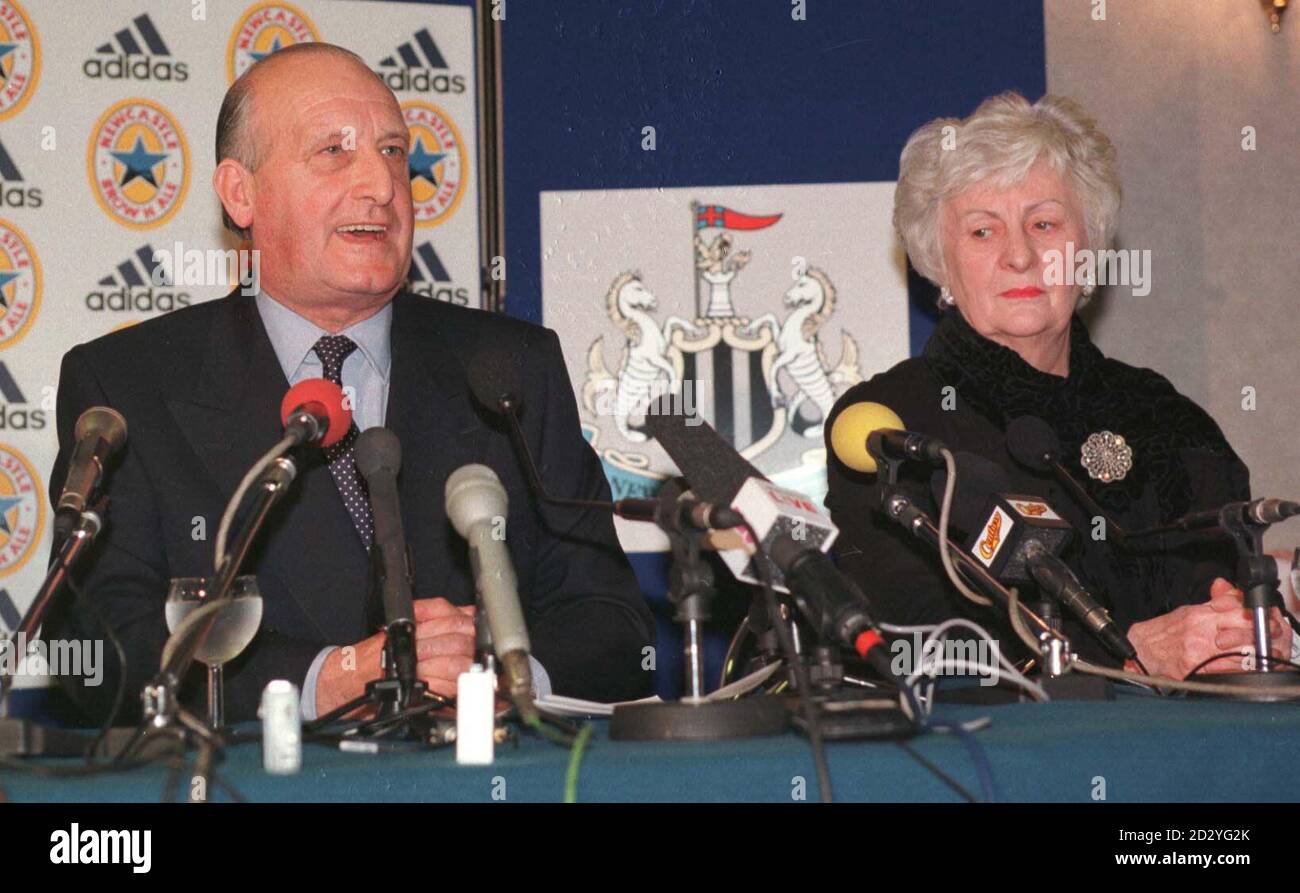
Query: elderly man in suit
(312, 169)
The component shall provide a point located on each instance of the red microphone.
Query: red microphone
(313, 411)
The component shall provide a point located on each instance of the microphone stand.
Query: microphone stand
(20, 736)
(1055, 655)
(1257, 573)
(401, 701)
(165, 718)
(691, 591)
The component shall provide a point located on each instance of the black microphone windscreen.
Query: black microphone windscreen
(1033, 443)
(377, 450)
(978, 479)
(715, 470)
(493, 374)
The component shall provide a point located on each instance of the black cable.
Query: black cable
(89, 606)
(554, 730)
(42, 770)
(1141, 666)
(1273, 661)
(803, 686)
(938, 773)
(1209, 660)
(220, 781)
(172, 782)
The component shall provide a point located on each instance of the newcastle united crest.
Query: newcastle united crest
(742, 321)
(752, 376)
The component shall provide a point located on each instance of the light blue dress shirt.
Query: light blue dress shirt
(365, 382)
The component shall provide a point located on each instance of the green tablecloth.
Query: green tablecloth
(1145, 749)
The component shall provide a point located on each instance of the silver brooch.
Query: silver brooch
(1106, 456)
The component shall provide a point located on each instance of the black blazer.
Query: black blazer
(200, 389)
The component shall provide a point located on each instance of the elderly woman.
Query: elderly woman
(982, 204)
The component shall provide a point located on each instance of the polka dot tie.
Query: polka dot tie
(333, 350)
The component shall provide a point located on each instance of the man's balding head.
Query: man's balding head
(312, 168)
(237, 133)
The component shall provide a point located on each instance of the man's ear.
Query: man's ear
(234, 186)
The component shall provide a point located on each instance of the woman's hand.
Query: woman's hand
(1174, 644)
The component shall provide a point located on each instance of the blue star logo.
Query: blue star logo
(5, 50)
(6, 505)
(422, 162)
(6, 276)
(275, 46)
(139, 163)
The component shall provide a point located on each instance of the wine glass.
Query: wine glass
(236, 625)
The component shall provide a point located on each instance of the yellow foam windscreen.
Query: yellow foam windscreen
(853, 426)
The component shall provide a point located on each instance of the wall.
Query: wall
(1174, 84)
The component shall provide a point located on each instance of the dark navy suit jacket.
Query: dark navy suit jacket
(200, 389)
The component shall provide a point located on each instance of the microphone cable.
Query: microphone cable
(228, 516)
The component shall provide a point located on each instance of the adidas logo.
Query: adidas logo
(133, 55)
(12, 193)
(428, 277)
(15, 415)
(420, 67)
(139, 284)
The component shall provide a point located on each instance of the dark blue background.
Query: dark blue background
(738, 94)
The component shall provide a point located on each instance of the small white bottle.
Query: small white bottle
(281, 715)
(475, 719)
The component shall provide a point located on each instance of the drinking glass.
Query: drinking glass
(236, 625)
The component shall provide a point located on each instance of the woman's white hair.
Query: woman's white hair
(1003, 139)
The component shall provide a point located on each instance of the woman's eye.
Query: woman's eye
(332, 150)
(982, 232)
(1045, 225)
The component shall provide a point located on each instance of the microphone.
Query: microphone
(1034, 445)
(1020, 538)
(378, 454)
(867, 433)
(792, 532)
(494, 383)
(830, 601)
(495, 379)
(477, 508)
(677, 509)
(1000, 524)
(1240, 515)
(1056, 578)
(100, 434)
(313, 411)
(720, 475)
